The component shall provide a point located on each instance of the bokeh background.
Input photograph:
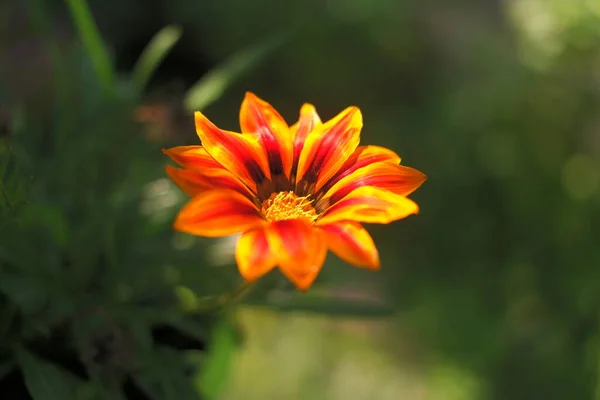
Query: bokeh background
(491, 292)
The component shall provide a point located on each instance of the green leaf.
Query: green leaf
(212, 85)
(216, 366)
(185, 323)
(154, 53)
(51, 218)
(6, 368)
(162, 375)
(46, 381)
(140, 331)
(25, 293)
(6, 154)
(88, 31)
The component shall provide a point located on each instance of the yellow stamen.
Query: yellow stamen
(286, 205)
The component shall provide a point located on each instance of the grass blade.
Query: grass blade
(212, 85)
(154, 53)
(88, 31)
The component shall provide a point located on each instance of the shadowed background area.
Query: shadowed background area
(491, 292)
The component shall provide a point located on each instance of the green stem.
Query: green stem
(226, 299)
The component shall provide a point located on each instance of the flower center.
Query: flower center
(286, 205)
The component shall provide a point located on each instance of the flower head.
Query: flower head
(293, 191)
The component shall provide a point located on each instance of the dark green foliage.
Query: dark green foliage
(85, 309)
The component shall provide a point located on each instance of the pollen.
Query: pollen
(287, 205)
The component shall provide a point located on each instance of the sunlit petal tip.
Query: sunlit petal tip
(309, 109)
(418, 176)
(252, 100)
(250, 96)
(303, 280)
(355, 114)
(303, 284)
(203, 125)
(308, 120)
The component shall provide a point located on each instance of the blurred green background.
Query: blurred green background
(491, 292)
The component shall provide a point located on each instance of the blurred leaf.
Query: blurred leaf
(8, 313)
(188, 301)
(12, 183)
(140, 331)
(88, 31)
(154, 53)
(91, 391)
(51, 218)
(44, 380)
(215, 369)
(184, 323)
(162, 375)
(6, 154)
(212, 85)
(26, 293)
(6, 368)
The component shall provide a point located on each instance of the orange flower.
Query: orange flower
(294, 192)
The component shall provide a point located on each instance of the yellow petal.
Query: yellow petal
(352, 243)
(383, 175)
(371, 205)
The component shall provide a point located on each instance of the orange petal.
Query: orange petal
(309, 119)
(193, 182)
(395, 178)
(253, 255)
(362, 156)
(259, 118)
(352, 243)
(241, 154)
(187, 180)
(369, 204)
(192, 157)
(300, 248)
(218, 213)
(328, 146)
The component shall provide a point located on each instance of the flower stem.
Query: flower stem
(226, 299)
